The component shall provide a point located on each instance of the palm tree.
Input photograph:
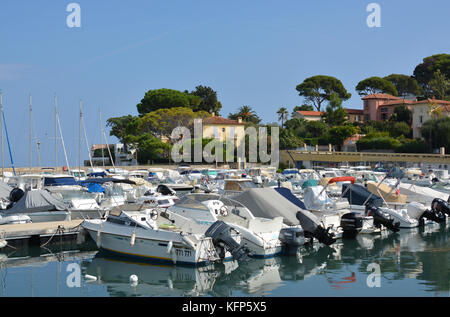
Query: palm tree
(247, 114)
(282, 115)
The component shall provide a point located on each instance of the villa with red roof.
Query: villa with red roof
(353, 115)
(379, 107)
(220, 128)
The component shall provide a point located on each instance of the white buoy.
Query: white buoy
(90, 277)
(133, 280)
(133, 238)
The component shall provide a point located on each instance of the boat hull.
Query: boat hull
(152, 247)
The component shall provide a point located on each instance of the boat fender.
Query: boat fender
(133, 239)
(3, 243)
(169, 247)
(90, 277)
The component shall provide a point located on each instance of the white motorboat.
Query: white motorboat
(139, 231)
(259, 235)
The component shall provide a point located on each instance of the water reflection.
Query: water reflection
(422, 255)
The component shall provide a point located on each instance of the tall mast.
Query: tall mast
(101, 129)
(1, 127)
(56, 136)
(79, 140)
(31, 136)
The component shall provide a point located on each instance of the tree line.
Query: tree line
(161, 110)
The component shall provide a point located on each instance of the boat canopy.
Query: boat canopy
(358, 194)
(309, 183)
(36, 201)
(268, 203)
(289, 171)
(342, 179)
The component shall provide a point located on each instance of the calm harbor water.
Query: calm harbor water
(412, 263)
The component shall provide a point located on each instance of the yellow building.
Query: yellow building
(220, 128)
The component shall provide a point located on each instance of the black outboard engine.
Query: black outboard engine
(16, 194)
(291, 238)
(312, 228)
(165, 190)
(220, 233)
(434, 215)
(351, 223)
(440, 205)
(380, 218)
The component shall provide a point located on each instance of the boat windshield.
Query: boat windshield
(59, 181)
(189, 202)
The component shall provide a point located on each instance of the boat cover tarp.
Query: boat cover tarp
(268, 203)
(95, 188)
(316, 198)
(358, 194)
(105, 180)
(5, 190)
(286, 193)
(97, 174)
(36, 201)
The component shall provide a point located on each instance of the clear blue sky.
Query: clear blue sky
(251, 52)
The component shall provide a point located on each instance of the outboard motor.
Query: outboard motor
(312, 228)
(291, 238)
(16, 194)
(436, 216)
(220, 233)
(440, 205)
(351, 223)
(165, 190)
(380, 218)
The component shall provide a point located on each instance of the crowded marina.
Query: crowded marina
(193, 216)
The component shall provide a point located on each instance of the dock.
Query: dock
(40, 232)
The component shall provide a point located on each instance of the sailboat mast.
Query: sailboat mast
(56, 137)
(79, 141)
(101, 129)
(31, 137)
(1, 127)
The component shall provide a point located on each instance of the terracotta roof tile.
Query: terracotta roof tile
(380, 96)
(354, 111)
(311, 113)
(221, 120)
